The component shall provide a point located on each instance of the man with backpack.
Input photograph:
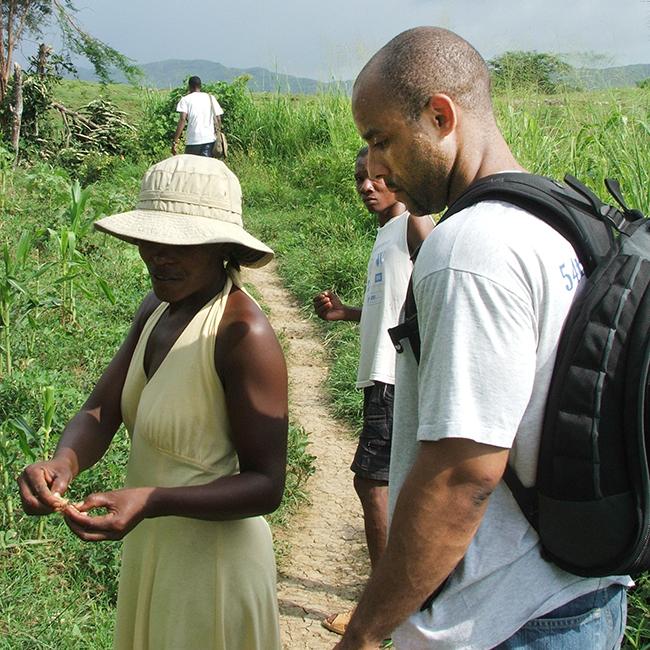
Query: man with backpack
(493, 285)
(202, 114)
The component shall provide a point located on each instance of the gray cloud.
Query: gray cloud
(336, 38)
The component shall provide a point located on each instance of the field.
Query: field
(67, 299)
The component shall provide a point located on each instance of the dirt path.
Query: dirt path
(326, 564)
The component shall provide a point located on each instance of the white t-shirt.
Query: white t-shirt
(200, 116)
(493, 285)
(389, 270)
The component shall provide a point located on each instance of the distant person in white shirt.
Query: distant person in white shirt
(202, 114)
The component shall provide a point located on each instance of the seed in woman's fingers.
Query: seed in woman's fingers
(75, 507)
(61, 502)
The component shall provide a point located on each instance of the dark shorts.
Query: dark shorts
(372, 458)
(200, 149)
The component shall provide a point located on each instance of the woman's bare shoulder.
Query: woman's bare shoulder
(245, 332)
(243, 312)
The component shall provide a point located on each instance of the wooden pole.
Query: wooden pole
(17, 109)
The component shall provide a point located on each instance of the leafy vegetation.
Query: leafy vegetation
(538, 72)
(294, 156)
(22, 18)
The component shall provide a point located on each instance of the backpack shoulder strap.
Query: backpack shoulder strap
(408, 329)
(572, 209)
(575, 213)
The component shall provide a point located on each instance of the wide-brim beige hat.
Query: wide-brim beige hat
(189, 200)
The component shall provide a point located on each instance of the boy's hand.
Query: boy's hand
(329, 307)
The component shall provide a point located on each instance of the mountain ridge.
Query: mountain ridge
(173, 72)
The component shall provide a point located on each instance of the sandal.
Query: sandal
(337, 622)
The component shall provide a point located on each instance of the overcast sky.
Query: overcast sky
(334, 38)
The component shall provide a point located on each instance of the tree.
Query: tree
(19, 18)
(537, 71)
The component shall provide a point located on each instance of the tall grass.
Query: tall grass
(592, 136)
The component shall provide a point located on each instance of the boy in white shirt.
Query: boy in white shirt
(389, 269)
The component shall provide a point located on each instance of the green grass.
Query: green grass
(74, 94)
(61, 593)
(58, 595)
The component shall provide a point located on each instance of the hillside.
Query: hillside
(617, 77)
(172, 72)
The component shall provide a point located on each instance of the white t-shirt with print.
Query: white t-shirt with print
(389, 270)
(493, 285)
(200, 116)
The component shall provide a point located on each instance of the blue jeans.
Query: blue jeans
(595, 621)
(200, 149)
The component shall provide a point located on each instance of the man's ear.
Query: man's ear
(442, 112)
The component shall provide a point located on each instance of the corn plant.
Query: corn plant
(38, 302)
(74, 266)
(76, 209)
(15, 437)
(70, 261)
(16, 297)
(34, 444)
(43, 436)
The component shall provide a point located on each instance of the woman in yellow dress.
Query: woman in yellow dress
(200, 384)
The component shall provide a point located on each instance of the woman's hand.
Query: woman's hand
(42, 485)
(125, 510)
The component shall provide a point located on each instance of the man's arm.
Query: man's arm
(418, 230)
(182, 119)
(438, 512)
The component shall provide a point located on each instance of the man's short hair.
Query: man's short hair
(194, 82)
(424, 61)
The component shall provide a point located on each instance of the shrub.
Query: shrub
(529, 71)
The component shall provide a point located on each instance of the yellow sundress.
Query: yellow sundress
(189, 584)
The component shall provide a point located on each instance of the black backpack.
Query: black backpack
(591, 501)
